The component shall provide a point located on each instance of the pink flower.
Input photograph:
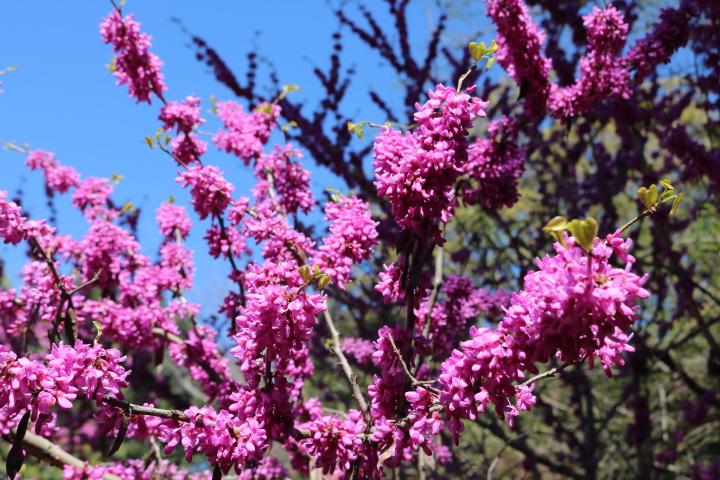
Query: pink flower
(417, 171)
(211, 193)
(351, 239)
(520, 43)
(134, 64)
(276, 171)
(278, 318)
(57, 177)
(183, 115)
(245, 133)
(495, 164)
(173, 220)
(93, 192)
(602, 72)
(334, 443)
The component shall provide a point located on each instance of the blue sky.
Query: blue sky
(63, 99)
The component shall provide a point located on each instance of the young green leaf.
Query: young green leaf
(305, 273)
(652, 194)
(477, 51)
(584, 232)
(556, 227)
(676, 203)
(490, 62)
(492, 48)
(666, 184)
(323, 281)
(99, 328)
(646, 196)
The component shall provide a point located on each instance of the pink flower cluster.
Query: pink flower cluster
(575, 307)
(390, 284)
(185, 116)
(495, 164)
(211, 193)
(245, 133)
(666, 38)
(282, 242)
(602, 72)
(387, 391)
(134, 64)
(350, 241)
(278, 318)
(58, 177)
(520, 43)
(335, 443)
(91, 196)
(269, 469)
(15, 228)
(450, 317)
(133, 470)
(225, 440)
(34, 386)
(109, 250)
(200, 348)
(291, 182)
(173, 220)
(359, 348)
(416, 171)
(575, 304)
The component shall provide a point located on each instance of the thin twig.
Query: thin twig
(148, 411)
(345, 366)
(413, 381)
(550, 373)
(87, 284)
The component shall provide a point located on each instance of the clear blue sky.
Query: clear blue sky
(62, 99)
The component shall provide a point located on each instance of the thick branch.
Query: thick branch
(43, 449)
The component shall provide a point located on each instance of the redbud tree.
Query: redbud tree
(515, 278)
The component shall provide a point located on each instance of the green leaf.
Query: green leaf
(477, 51)
(648, 196)
(291, 88)
(490, 62)
(264, 108)
(585, 232)
(150, 142)
(556, 227)
(305, 273)
(492, 48)
(323, 281)
(676, 203)
(652, 194)
(666, 184)
(99, 328)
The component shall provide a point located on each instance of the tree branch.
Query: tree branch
(351, 377)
